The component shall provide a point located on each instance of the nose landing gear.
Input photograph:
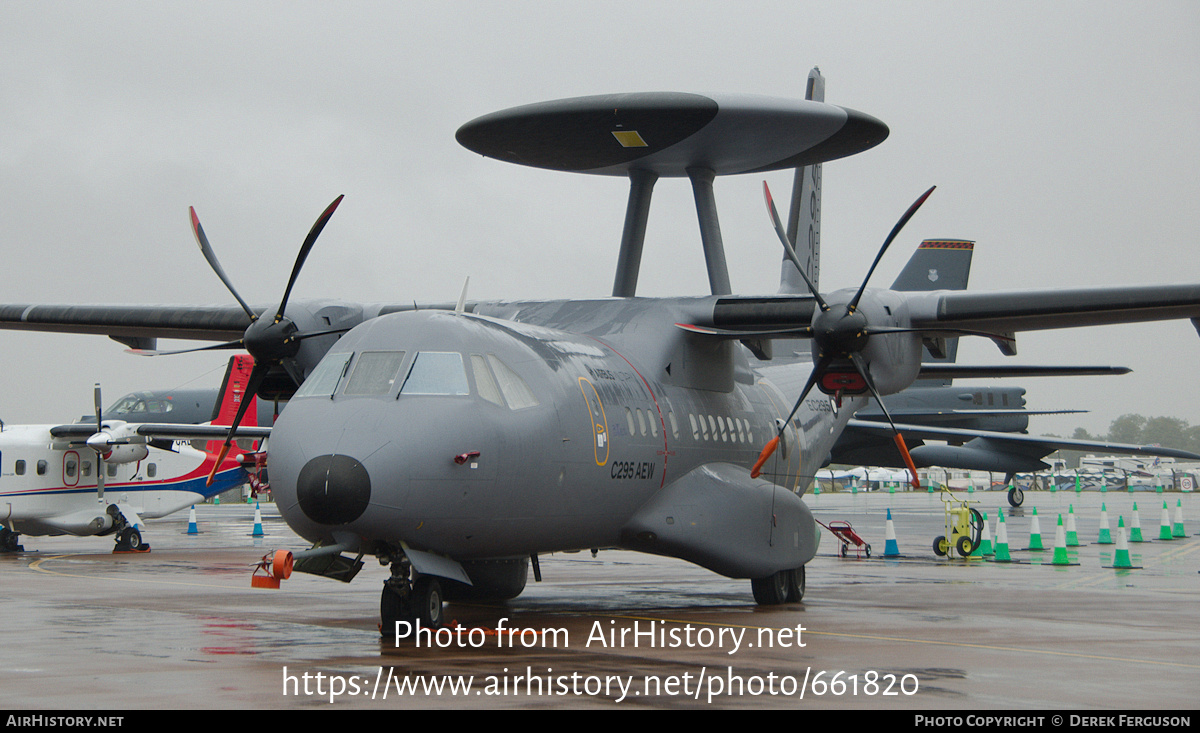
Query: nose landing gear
(405, 598)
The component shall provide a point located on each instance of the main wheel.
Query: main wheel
(771, 590)
(940, 546)
(427, 601)
(1016, 497)
(795, 584)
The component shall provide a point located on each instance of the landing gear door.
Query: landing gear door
(599, 420)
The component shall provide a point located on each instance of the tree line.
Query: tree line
(1168, 432)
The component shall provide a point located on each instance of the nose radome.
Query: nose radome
(333, 489)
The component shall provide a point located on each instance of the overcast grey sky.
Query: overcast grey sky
(1061, 136)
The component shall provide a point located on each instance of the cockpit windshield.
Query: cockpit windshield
(436, 373)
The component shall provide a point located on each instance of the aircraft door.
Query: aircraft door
(70, 468)
(600, 441)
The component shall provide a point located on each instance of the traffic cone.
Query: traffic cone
(1177, 526)
(258, 529)
(1060, 545)
(1035, 533)
(1121, 558)
(1072, 532)
(1078, 484)
(890, 547)
(985, 540)
(192, 528)
(1002, 540)
(1164, 525)
(1105, 527)
(1135, 526)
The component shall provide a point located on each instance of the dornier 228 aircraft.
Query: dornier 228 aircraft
(458, 443)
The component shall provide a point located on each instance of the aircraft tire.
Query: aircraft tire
(795, 584)
(771, 590)
(940, 546)
(1016, 497)
(129, 539)
(392, 608)
(8, 540)
(427, 601)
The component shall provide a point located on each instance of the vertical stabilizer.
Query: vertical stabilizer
(938, 264)
(804, 216)
(229, 399)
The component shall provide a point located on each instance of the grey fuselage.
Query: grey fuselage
(627, 404)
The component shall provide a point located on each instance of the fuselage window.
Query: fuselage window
(20, 468)
(151, 470)
(69, 469)
(110, 469)
(695, 427)
(674, 425)
(703, 427)
(653, 423)
(436, 373)
(86, 469)
(484, 382)
(375, 373)
(712, 426)
(641, 416)
(629, 420)
(324, 379)
(41, 468)
(515, 390)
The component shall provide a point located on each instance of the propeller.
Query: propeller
(841, 332)
(99, 442)
(268, 340)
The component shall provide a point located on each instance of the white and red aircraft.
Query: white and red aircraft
(104, 477)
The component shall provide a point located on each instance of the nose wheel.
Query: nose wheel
(416, 601)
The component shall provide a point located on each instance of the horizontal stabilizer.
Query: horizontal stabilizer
(961, 371)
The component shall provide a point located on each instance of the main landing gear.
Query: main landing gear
(9, 541)
(129, 539)
(405, 598)
(785, 586)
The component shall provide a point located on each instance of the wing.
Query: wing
(980, 449)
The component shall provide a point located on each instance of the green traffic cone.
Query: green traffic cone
(1164, 525)
(1135, 526)
(1177, 526)
(1105, 527)
(1002, 541)
(1035, 533)
(1060, 545)
(1072, 532)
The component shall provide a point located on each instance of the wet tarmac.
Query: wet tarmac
(180, 627)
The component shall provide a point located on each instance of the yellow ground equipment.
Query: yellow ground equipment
(964, 527)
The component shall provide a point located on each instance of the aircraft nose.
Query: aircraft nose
(333, 489)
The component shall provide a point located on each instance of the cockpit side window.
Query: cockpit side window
(515, 390)
(375, 373)
(324, 379)
(484, 382)
(436, 373)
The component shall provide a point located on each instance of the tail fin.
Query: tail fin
(229, 399)
(233, 391)
(938, 264)
(804, 216)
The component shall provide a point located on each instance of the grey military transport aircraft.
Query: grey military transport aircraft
(457, 443)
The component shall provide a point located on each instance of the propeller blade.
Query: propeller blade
(239, 344)
(305, 248)
(772, 444)
(207, 251)
(787, 246)
(887, 242)
(257, 374)
(99, 455)
(861, 366)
